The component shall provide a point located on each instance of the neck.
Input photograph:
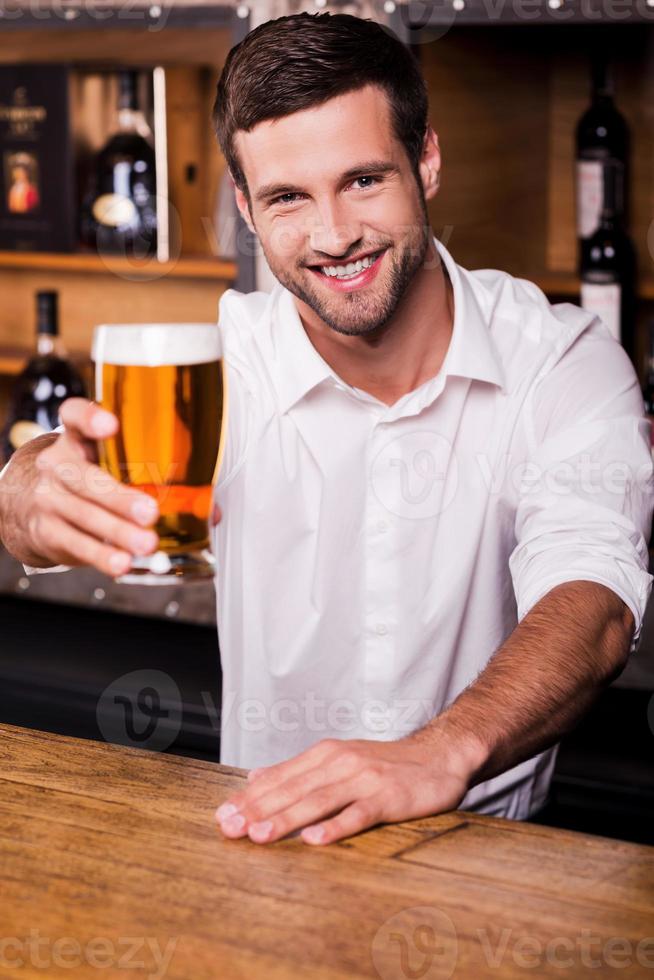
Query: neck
(410, 348)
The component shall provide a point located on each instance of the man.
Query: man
(436, 486)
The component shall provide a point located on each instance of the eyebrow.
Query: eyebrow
(362, 170)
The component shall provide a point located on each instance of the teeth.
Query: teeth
(351, 269)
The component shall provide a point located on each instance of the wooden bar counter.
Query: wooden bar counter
(111, 865)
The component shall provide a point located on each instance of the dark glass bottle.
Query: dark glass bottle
(648, 400)
(608, 268)
(45, 382)
(648, 386)
(602, 140)
(118, 213)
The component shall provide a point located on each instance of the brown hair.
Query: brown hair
(302, 60)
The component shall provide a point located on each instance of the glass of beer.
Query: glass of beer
(166, 384)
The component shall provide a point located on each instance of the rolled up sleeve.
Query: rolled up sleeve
(586, 496)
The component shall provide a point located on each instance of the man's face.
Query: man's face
(328, 185)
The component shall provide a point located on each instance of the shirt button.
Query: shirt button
(382, 526)
(381, 629)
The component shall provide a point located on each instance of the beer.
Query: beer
(166, 385)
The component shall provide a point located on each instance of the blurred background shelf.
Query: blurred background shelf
(200, 267)
(12, 360)
(563, 284)
(97, 288)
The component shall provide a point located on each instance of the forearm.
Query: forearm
(18, 480)
(539, 683)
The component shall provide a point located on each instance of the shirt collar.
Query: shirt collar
(472, 353)
(298, 365)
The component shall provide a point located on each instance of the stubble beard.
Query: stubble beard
(363, 312)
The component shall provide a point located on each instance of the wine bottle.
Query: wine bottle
(608, 269)
(648, 386)
(118, 211)
(45, 382)
(648, 402)
(602, 140)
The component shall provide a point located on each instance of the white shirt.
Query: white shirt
(372, 558)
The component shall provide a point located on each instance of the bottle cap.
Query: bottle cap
(47, 320)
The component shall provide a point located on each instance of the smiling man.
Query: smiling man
(436, 485)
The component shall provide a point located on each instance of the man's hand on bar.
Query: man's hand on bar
(338, 788)
(57, 506)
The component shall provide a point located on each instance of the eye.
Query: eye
(375, 180)
(283, 198)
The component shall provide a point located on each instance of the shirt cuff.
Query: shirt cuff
(633, 588)
(30, 570)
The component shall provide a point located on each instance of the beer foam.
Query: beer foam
(156, 344)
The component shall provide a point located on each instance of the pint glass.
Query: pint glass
(166, 384)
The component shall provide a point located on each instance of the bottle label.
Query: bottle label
(114, 210)
(22, 431)
(603, 300)
(590, 196)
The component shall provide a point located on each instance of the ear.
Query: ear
(243, 206)
(430, 163)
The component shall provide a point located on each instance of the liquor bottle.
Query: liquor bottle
(648, 387)
(37, 207)
(45, 382)
(118, 211)
(602, 140)
(608, 267)
(648, 401)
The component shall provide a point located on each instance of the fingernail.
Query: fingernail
(314, 835)
(143, 541)
(103, 423)
(233, 824)
(144, 511)
(226, 810)
(261, 831)
(252, 773)
(119, 563)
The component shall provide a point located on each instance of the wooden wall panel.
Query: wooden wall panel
(195, 161)
(568, 99)
(117, 45)
(87, 299)
(491, 208)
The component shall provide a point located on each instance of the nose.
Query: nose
(335, 231)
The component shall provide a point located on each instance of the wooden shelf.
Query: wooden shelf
(566, 284)
(183, 268)
(558, 284)
(552, 283)
(13, 359)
